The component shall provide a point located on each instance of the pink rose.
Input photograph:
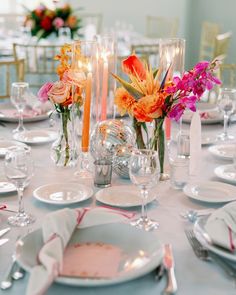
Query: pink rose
(59, 92)
(58, 22)
(75, 77)
(43, 91)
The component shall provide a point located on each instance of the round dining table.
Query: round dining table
(193, 275)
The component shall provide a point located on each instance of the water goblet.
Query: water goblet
(226, 103)
(19, 91)
(18, 168)
(144, 172)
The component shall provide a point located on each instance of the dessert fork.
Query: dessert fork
(204, 254)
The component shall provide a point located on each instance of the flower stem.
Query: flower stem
(65, 118)
(139, 136)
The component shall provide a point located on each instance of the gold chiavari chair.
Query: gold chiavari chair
(222, 42)
(161, 27)
(40, 65)
(148, 53)
(10, 71)
(208, 39)
(227, 74)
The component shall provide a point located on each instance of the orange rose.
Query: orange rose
(133, 65)
(59, 92)
(149, 107)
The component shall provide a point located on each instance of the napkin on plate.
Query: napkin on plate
(57, 230)
(195, 144)
(221, 227)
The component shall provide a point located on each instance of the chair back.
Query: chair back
(208, 39)
(222, 42)
(10, 71)
(40, 65)
(160, 27)
(227, 74)
(149, 53)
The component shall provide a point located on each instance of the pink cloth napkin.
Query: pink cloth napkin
(221, 227)
(57, 230)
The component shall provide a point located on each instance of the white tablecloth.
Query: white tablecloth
(194, 277)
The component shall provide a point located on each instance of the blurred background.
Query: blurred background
(132, 15)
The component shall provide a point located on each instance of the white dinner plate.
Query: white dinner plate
(6, 144)
(226, 172)
(122, 196)
(201, 234)
(223, 151)
(63, 193)
(208, 139)
(6, 187)
(142, 251)
(36, 136)
(14, 119)
(210, 191)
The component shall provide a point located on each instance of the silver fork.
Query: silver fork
(204, 254)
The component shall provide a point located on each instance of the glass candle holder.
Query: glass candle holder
(106, 65)
(84, 77)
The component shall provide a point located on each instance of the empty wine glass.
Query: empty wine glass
(226, 103)
(19, 92)
(144, 172)
(18, 170)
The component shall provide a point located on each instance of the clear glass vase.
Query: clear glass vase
(63, 151)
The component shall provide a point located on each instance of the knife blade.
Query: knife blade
(168, 262)
(3, 241)
(4, 231)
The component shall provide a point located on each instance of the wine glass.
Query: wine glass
(144, 172)
(226, 103)
(19, 91)
(18, 170)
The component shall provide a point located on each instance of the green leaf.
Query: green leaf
(164, 79)
(132, 91)
(155, 73)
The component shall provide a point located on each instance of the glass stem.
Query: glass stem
(21, 209)
(20, 126)
(144, 196)
(226, 118)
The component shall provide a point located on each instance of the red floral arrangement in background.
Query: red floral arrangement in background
(43, 21)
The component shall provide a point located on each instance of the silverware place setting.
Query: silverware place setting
(206, 255)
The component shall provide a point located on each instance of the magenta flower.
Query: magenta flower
(176, 112)
(43, 91)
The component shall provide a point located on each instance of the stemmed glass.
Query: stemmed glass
(144, 172)
(19, 91)
(226, 103)
(19, 169)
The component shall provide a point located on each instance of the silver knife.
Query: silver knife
(3, 241)
(4, 231)
(168, 261)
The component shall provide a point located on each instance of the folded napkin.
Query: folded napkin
(221, 226)
(57, 230)
(195, 144)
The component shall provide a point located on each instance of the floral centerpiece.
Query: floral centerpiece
(43, 21)
(147, 99)
(62, 93)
